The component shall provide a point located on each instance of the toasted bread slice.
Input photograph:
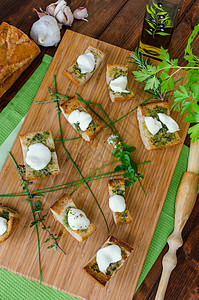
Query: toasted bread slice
(12, 218)
(92, 267)
(94, 127)
(113, 72)
(60, 211)
(74, 73)
(44, 137)
(162, 139)
(117, 187)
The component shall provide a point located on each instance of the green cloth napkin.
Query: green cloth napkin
(11, 118)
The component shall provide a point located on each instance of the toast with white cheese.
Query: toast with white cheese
(12, 218)
(163, 138)
(92, 268)
(45, 138)
(60, 211)
(72, 105)
(117, 187)
(74, 72)
(113, 73)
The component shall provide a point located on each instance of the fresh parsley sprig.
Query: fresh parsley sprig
(160, 80)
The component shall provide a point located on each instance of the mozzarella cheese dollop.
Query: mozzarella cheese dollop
(80, 117)
(38, 156)
(117, 203)
(77, 219)
(119, 85)
(152, 125)
(169, 122)
(107, 255)
(3, 225)
(86, 62)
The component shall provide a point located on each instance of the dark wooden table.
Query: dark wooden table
(119, 22)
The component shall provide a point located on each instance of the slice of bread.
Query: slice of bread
(94, 127)
(60, 209)
(12, 218)
(117, 187)
(74, 73)
(92, 267)
(44, 137)
(162, 139)
(113, 72)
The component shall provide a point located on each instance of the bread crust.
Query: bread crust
(17, 52)
(58, 210)
(110, 75)
(144, 111)
(91, 267)
(117, 187)
(72, 104)
(70, 73)
(12, 222)
(30, 173)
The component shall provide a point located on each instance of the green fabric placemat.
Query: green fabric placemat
(11, 118)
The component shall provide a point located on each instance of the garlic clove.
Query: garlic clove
(60, 5)
(81, 13)
(68, 15)
(50, 9)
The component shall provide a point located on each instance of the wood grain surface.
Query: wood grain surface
(120, 23)
(65, 272)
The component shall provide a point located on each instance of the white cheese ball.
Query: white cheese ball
(81, 117)
(107, 255)
(117, 203)
(169, 122)
(38, 156)
(119, 84)
(3, 225)
(77, 219)
(153, 125)
(86, 62)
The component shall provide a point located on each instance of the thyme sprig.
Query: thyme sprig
(36, 210)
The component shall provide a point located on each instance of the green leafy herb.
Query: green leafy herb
(160, 81)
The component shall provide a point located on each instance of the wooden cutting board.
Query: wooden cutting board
(19, 253)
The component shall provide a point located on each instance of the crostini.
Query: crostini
(157, 129)
(8, 221)
(117, 203)
(80, 119)
(85, 65)
(73, 219)
(116, 78)
(108, 260)
(40, 158)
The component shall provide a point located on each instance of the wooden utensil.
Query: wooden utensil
(185, 201)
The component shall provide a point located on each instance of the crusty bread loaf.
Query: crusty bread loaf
(117, 187)
(94, 127)
(12, 218)
(44, 137)
(114, 71)
(60, 209)
(162, 139)
(92, 267)
(17, 51)
(74, 74)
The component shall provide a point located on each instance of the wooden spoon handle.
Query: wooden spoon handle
(185, 201)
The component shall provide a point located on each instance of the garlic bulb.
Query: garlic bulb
(45, 31)
(81, 13)
(61, 12)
